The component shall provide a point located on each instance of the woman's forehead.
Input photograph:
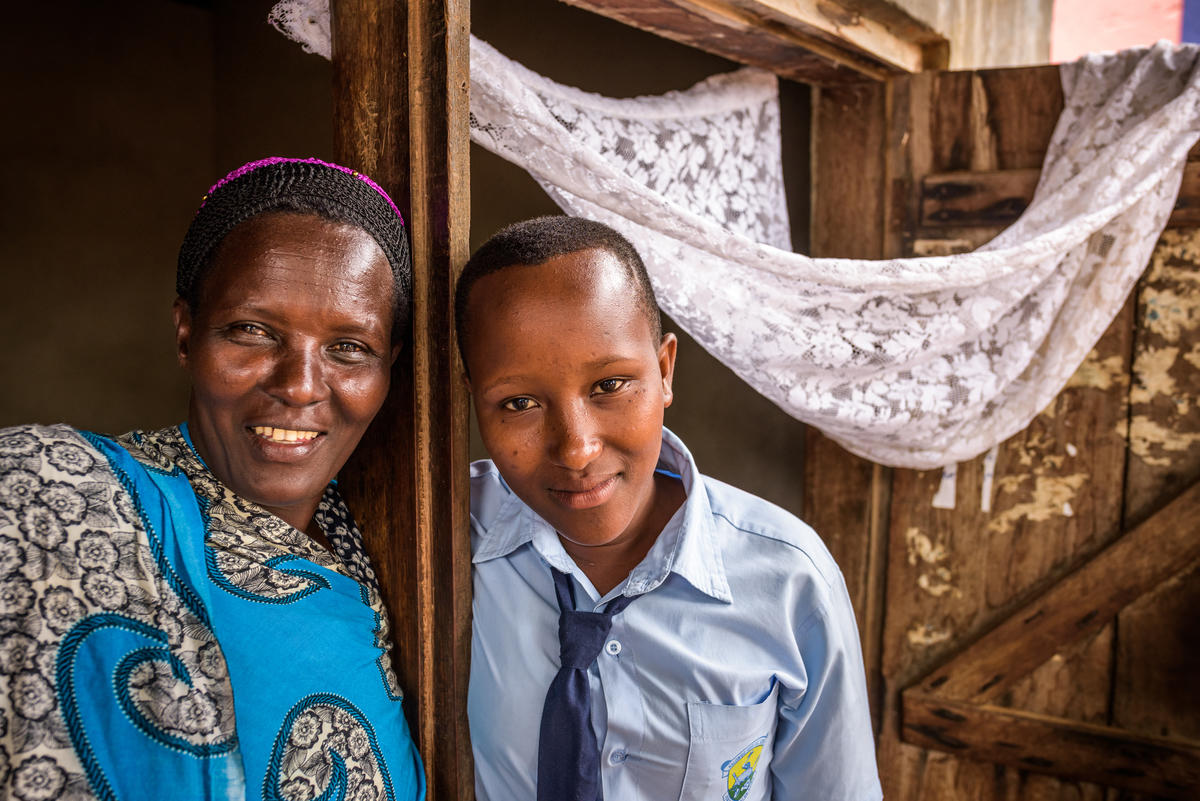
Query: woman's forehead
(306, 250)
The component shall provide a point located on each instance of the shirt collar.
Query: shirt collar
(687, 545)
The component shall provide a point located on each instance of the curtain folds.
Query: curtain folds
(917, 362)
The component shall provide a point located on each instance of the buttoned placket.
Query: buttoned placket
(618, 703)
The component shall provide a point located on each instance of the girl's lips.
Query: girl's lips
(586, 499)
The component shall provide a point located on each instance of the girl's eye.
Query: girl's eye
(610, 385)
(519, 404)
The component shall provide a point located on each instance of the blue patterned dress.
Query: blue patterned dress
(161, 637)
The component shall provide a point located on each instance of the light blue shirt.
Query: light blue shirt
(736, 672)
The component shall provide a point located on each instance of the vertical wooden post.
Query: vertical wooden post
(401, 108)
(846, 498)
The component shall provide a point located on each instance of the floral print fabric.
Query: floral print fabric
(94, 573)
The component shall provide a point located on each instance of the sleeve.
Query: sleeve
(824, 747)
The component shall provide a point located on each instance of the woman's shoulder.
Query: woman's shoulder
(58, 449)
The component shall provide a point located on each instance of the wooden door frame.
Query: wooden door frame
(401, 92)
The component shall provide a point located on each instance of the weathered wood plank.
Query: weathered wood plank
(995, 199)
(954, 572)
(1076, 606)
(976, 199)
(1155, 690)
(848, 178)
(1158, 652)
(1021, 109)
(845, 497)
(822, 42)
(1066, 748)
(400, 89)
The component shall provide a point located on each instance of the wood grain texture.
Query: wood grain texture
(400, 98)
(995, 199)
(1157, 657)
(846, 498)
(821, 43)
(849, 170)
(1079, 751)
(1078, 605)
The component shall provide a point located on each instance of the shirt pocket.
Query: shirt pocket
(729, 756)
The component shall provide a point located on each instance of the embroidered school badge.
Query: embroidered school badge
(739, 771)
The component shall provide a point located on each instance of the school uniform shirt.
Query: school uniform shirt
(735, 673)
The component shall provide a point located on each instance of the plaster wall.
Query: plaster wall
(119, 118)
(988, 33)
(105, 152)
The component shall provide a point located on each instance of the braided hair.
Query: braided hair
(305, 186)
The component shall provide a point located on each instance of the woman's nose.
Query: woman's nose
(298, 378)
(577, 441)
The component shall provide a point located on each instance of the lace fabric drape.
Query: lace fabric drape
(916, 362)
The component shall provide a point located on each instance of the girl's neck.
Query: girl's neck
(608, 565)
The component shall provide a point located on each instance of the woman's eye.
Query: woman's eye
(249, 329)
(519, 404)
(610, 385)
(348, 348)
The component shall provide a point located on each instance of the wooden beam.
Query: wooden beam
(1158, 766)
(401, 111)
(1076, 606)
(995, 199)
(822, 42)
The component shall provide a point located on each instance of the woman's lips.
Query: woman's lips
(278, 444)
(586, 498)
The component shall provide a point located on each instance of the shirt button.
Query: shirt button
(617, 757)
(613, 647)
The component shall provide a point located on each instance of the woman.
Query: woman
(189, 613)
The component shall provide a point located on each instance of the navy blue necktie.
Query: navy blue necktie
(568, 756)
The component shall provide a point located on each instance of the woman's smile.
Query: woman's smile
(277, 434)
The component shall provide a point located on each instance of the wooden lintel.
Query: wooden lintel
(821, 42)
(995, 199)
(1078, 605)
(1157, 766)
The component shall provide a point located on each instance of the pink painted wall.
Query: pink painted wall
(1089, 26)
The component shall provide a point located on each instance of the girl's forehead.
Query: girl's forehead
(547, 307)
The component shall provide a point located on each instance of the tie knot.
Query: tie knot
(581, 636)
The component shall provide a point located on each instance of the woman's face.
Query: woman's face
(290, 353)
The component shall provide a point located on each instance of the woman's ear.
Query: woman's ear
(666, 366)
(182, 312)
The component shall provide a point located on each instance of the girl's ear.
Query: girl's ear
(666, 366)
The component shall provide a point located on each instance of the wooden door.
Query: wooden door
(1047, 648)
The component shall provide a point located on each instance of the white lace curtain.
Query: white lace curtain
(918, 362)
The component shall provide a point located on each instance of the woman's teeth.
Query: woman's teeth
(284, 434)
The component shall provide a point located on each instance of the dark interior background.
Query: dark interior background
(122, 115)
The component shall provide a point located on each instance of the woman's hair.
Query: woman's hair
(537, 241)
(305, 186)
